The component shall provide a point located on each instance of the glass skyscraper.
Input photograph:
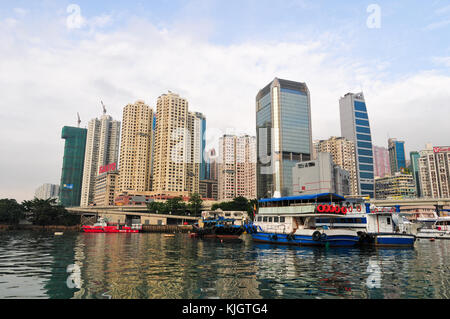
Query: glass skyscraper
(73, 163)
(397, 156)
(283, 129)
(355, 127)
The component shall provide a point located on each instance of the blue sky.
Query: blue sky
(217, 54)
(411, 33)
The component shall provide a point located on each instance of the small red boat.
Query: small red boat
(101, 226)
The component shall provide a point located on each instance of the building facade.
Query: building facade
(212, 165)
(284, 137)
(237, 167)
(208, 189)
(397, 158)
(434, 172)
(72, 168)
(47, 191)
(320, 176)
(105, 188)
(136, 148)
(381, 162)
(178, 147)
(355, 127)
(102, 148)
(414, 158)
(396, 186)
(343, 153)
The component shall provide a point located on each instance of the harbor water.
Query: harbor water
(157, 266)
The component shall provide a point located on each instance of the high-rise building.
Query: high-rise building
(382, 166)
(102, 148)
(415, 156)
(47, 191)
(237, 167)
(135, 148)
(434, 172)
(72, 168)
(178, 147)
(397, 158)
(343, 153)
(211, 165)
(284, 138)
(355, 127)
(202, 136)
(396, 186)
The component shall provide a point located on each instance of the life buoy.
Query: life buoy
(344, 210)
(350, 208)
(392, 209)
(358, 208)
(337, 209)
(316, 235)
(323, 237)
(321, 208)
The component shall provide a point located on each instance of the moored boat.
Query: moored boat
(381, 230)
(292, 220)
(101, 226)
(440, 229)
(217, 228)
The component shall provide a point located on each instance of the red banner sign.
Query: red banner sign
(107, 168)
(441, 149)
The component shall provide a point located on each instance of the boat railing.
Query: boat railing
(279, 229)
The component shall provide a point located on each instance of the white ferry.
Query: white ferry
(292, 220)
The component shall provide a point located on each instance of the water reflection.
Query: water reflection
(40, 265)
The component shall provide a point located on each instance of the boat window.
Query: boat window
(264, 219)
(281, 219)
(270, 219)
(276, 219)
(388, 220)
(259, 218)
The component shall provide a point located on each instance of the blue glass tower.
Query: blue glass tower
(283, 130)
(397, 156)
(355, 127)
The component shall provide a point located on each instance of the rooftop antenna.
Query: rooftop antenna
(104, 108)
(79, 121)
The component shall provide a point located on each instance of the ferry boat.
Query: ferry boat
(382, 230)
(292, 220)
(440, 229)
(101, 226)
(217, 228)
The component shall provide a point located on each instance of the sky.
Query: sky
(59, 58)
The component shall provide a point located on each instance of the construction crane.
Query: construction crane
(79, 121)
(104, 108)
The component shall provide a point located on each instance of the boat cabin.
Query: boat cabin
(380, 222)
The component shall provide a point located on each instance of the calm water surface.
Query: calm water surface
(78, 265)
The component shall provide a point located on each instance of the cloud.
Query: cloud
(437, 25)
(48, 81)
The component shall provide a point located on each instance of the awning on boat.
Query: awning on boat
(323, 197)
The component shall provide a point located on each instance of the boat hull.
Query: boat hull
(391, 240)
(305, 240)
(107, 229)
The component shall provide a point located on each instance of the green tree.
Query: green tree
(157, 207)
(195, 204)
(11, 212)
(46, 212)
(175, 205)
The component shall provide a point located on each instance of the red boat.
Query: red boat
(101, 226)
